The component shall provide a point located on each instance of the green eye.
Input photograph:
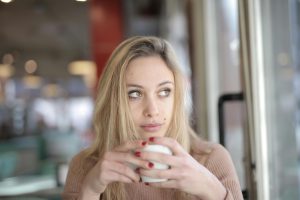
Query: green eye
(134, 94)
(164, 93)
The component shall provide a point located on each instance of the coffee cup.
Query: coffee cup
(157, 165)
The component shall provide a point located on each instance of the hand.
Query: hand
(114, 167)
(185, 173)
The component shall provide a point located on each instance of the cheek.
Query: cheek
(135, 111)
(168, 110)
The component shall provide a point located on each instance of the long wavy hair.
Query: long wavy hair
(113, 123)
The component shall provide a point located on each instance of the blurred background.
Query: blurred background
(242, 61)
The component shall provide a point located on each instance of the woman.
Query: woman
(141, 102)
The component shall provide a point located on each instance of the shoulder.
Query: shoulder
(79, 158)
(79, 166)
(206, 152)
(82, 162)
(218, 161)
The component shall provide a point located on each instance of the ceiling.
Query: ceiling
(52, 32)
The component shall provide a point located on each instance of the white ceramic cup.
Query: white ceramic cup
(160, 149)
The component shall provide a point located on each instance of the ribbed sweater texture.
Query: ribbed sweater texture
(213, 156)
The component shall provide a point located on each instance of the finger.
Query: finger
(128, 157)
(174, 146)
(112, 176)
(121, 169)
(160, 174)
(172, 184)
(161, 158)
(131, 145)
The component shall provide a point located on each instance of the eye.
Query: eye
(134, 94)
(165, 92)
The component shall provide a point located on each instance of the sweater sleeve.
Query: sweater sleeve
(78, 169)
(220, 164)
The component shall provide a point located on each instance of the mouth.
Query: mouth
(151, 127)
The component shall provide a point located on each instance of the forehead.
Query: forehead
(148, 69)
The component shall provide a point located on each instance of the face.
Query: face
(150, 89)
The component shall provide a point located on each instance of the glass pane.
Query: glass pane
(234, 140)
(280, 29)
(229, 80)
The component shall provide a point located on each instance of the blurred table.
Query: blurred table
(30, 188)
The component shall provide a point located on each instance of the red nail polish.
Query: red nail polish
(151, 139)
(137, 170)
(137, 154)
(144, 143)
(150, 164)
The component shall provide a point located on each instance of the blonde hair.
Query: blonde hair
(113, 123)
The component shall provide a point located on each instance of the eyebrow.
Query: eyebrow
(139, 86)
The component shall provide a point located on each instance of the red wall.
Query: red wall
(106, 29)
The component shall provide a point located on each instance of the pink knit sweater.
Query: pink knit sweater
(213, 156)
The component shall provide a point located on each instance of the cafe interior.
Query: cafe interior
(241, 59)
(52, 53)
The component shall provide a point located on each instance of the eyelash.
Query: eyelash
(167, 91)
(132, 92)
(139, 93)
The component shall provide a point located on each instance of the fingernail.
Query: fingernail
(151, 139)
(137, 170)
(144, 143)
(150, 164)
(137, 154)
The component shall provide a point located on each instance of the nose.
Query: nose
(151, 108)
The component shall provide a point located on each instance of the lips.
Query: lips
(151, 127)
